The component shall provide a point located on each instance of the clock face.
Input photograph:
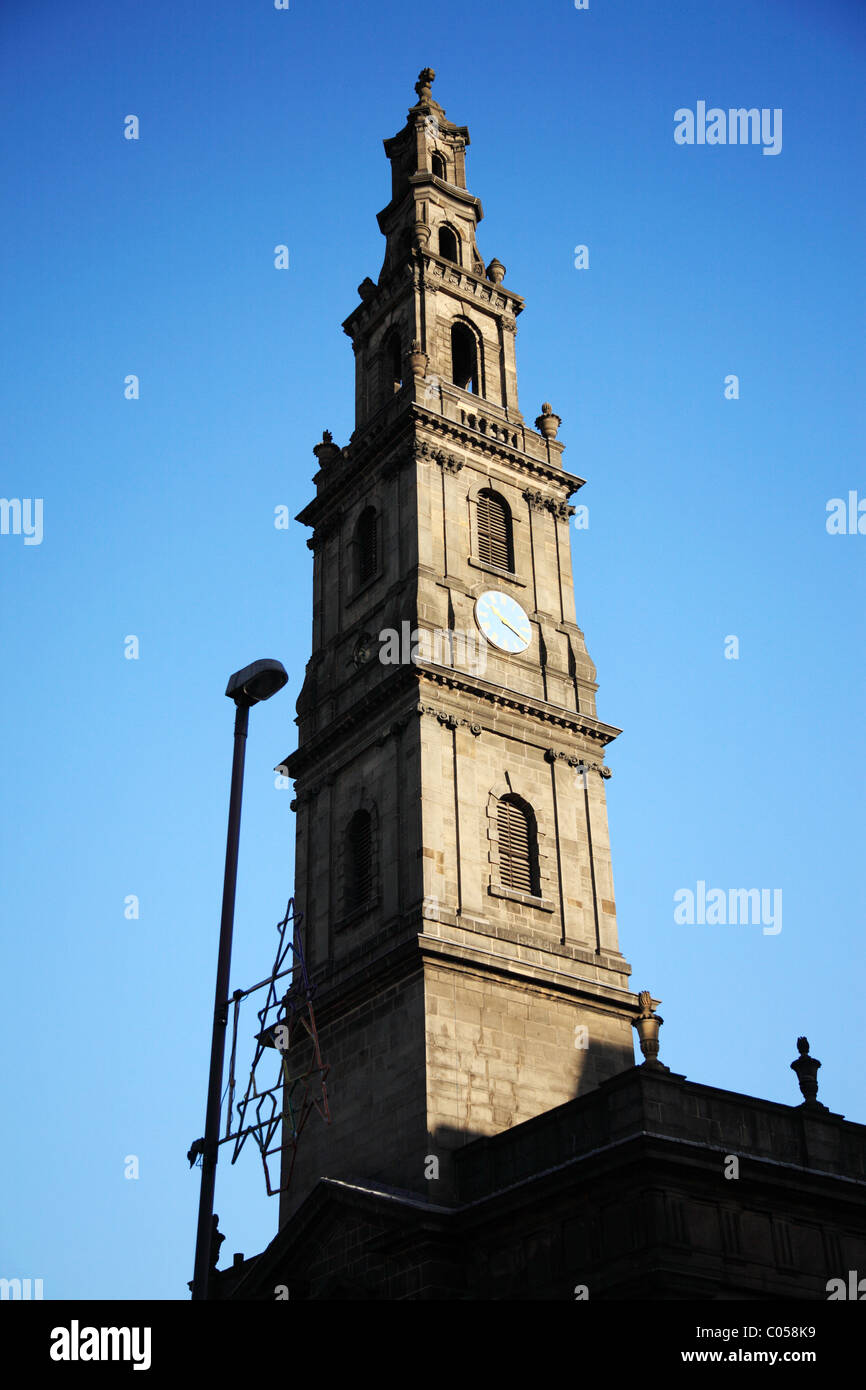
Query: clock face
(503, 621)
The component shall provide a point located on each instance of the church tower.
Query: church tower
(453, 864)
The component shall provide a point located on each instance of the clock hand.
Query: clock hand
(504, 620)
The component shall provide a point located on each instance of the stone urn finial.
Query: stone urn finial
(647, 1024)
(496, 271)
(327, 451)
(422, 86)
(418, 358)
(806, 1068)
(547, 423)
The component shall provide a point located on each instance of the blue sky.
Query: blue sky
(707, 519)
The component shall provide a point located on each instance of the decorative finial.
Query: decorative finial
(422, 86)
(327, 451)
(806, 1068)
(547, 423)
(496, 273)
(647, 1024)
(418, 358)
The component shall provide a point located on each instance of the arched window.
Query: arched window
(359, 860)
(495, 534)
(367, 542)
(464, 357)
(438, 165)
(448, 245)
(393, 356)
(518, 846)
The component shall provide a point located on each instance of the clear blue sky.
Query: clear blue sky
(707, 518)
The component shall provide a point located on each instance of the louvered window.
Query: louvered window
(518, 855)
(494, 531)
(368, 547)
(359, 878)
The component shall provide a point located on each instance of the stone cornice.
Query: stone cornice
(479, 444)
(539, 503)
(419, 674)
(400, 445)
(556, 716)
(326, 528)
(449, 463)
(417, 114)
(549, 969)
(401, 681)
(450, 721)
(380, 301)
(523, 958)
(552, 755)
(433, 272)
(473, 287)
(392, 213)
(393, 437)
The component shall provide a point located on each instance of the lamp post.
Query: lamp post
(248, 687)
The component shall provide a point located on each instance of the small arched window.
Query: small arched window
(437, 164)
(448, 245)
(464, 357)
(359, 860)
(518, 846)
(367, 541)
(495, 531)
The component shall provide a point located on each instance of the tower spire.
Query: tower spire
(433, 273)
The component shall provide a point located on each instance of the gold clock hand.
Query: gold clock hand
(502, 618)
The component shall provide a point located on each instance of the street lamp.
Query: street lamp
(248, 687)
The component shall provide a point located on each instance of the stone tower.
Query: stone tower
(453, 864)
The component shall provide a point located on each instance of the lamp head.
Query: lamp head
(257, 682)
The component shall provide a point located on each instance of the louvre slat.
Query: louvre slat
(368, 556)
(360, 858)
(515, 853)
(494, 533)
